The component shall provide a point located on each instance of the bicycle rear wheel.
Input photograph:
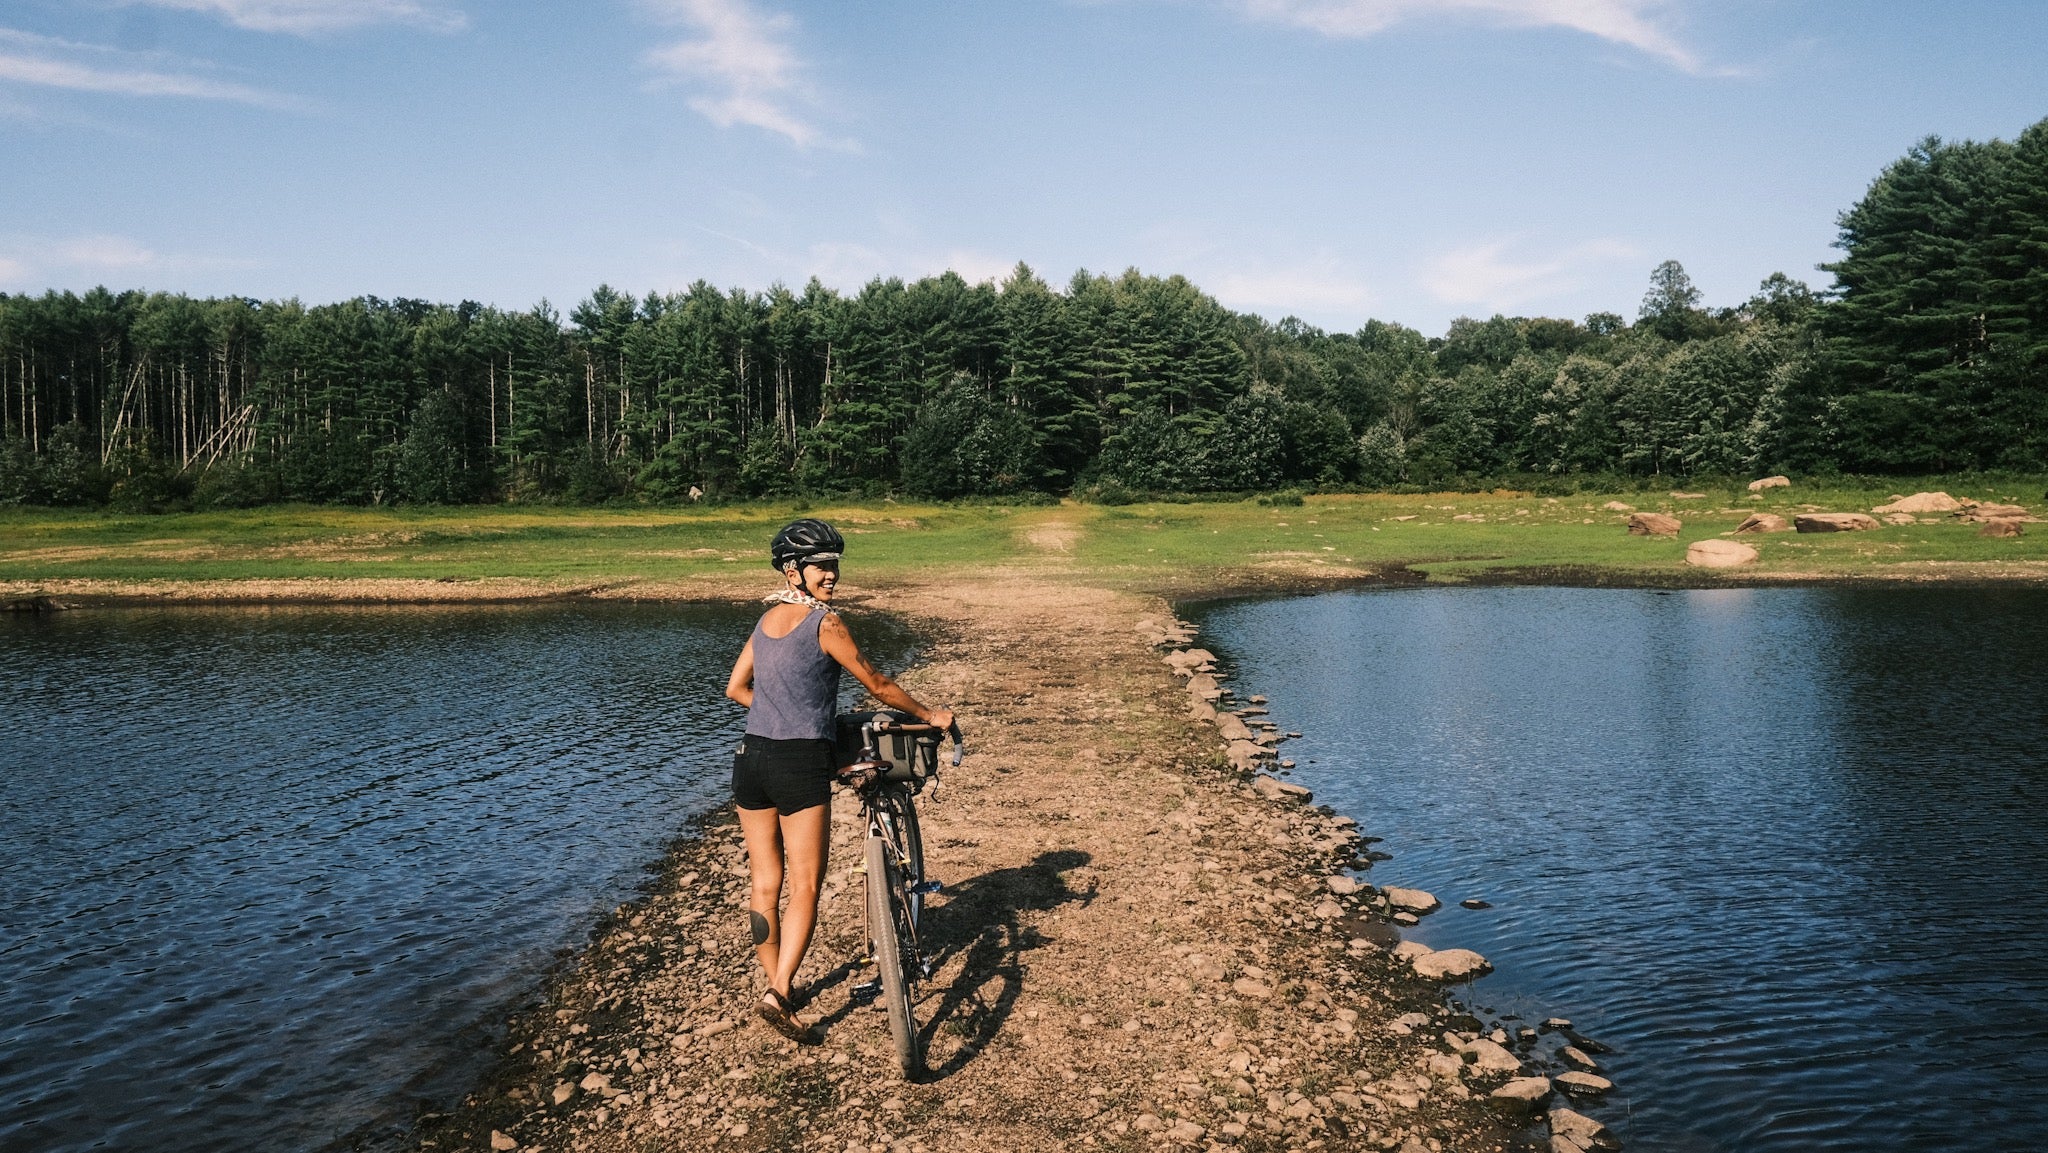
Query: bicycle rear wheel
(889, 931)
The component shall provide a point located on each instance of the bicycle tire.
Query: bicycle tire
(910, 840)
(887, 932)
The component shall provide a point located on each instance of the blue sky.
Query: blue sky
(1410, 160)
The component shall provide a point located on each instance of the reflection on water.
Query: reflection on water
(274, 875)
(1784, 849)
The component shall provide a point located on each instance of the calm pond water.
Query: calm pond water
(276, 876)
(1786, 850)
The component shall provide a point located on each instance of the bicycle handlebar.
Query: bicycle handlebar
(885, 724)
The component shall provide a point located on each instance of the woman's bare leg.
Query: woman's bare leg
(806, 834)
(762, 831)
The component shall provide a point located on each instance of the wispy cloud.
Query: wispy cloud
(1494, 277)
(743, 58)
(1637, 24)
(310, 17)
(26, 58)
(29, 263)
(1319, 287)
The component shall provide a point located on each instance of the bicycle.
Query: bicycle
(894, 759)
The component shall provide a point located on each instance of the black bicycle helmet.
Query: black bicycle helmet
(805, 540)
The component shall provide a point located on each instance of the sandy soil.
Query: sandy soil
(1129, 948)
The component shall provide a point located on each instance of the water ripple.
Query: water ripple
(1784, 850)
(272, 872)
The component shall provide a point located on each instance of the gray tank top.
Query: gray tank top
(796, 684)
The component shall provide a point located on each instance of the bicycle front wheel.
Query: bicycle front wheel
(888, 929)
(900, 823)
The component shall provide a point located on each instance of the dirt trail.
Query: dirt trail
(1129, 949)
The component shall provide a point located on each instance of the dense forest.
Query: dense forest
(1928, 354)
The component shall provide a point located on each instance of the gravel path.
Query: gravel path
(1135, 950)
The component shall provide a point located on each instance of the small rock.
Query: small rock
(1770, 482)
(1575, 1056)
(1148, 1123)
(1444, 1066)
(1246, 987)
(1901, 518)
(1688, 496)
(501, 1142)
(1654, 524)
(1475, 903)
(595, 1083)
(1451, 965)
(1404, 917)
(1617, 506)
(1833, 522)
(1341, 885)
(1186, 1132)
(1583, 1084)
(1557, 1023)
(563, 1092)
(1409, 951)
(1328, 910)
(2001, 527)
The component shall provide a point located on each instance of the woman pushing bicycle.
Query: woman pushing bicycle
(787, 676)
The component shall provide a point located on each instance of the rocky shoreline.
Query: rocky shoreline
(1140, 945)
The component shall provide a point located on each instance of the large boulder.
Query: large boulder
(1975, 512)
(1246, 756)
(1490, 1057)
(1274, 789)
(1653, 524)
(1451, 965)
(1581, 1130)
(1770, 482)
(1520, 1096)
(2002, 526)
(1203, 687)
(1617, 506)
(1583, 1084)
(1764, 522)
(1921, 502)
(1719, 554)
(1412, 900)
(1232, 727)
(1833, 522)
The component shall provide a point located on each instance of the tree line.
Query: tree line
(1927, 354)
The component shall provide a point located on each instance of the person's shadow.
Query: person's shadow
(981, 920)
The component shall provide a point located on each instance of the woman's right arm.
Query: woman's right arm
(740, 685)
(838, 644)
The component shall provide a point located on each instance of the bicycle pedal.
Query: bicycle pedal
(865, 992)
(926, 887)
(924, 970)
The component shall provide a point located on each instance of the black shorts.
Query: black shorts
(787, 776)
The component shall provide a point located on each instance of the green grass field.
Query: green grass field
(1163, 547)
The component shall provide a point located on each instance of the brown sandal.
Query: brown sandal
(775, 1010)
